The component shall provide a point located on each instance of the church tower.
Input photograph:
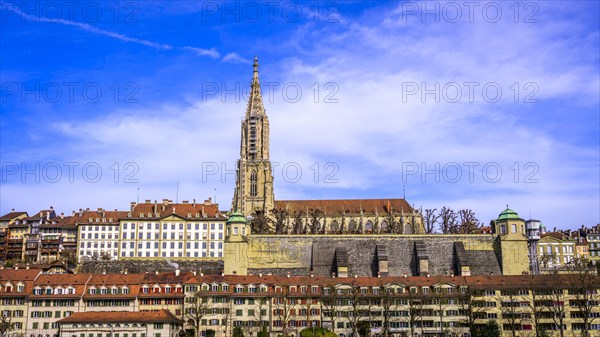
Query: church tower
(254, 177)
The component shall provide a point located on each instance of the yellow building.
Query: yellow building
(556, 250)
(511, 242)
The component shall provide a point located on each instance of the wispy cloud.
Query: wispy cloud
(89, 28)
(235, 58)
(203, 52)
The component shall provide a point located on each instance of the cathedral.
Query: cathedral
(254, 196)
(349, 237)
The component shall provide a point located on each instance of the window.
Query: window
(253, 188)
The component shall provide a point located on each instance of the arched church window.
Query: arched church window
(384, 226)
(369, 227)
(253, 190)
(352, 226)
(335, 226)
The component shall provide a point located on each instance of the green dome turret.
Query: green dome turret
(508, 214)
(236, 217)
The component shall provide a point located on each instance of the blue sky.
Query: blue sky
(460, 104)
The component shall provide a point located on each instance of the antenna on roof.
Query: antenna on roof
(215, 195)
(404, 192)
(177, 193)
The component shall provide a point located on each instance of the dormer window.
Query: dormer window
(141, 215)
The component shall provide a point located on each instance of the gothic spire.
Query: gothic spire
(255, 102)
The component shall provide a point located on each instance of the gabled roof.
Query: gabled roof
(182, 210)
(12, 215)
(161, 316)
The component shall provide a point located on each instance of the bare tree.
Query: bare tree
(283, 306)
(353, 300)
(259, 223)
(414, 300)
(431, 220)
(448, 221)
(515, 308)
(584, 288)
(387, 302)
(297, 222)
(329, 303)
(468, 222)
(196, 307)
(314, 224)
(6, 323)
(280, 220)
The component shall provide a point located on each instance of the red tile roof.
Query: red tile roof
(183, 210)
(352, 206)
(11, 215)
(161, 316)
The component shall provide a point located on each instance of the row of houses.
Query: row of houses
(36, 304)
(187, 230)
(148, 230)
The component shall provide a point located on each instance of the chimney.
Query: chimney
(207, 202)
(165, 201)
(27, 266)
(201, 274)
(103, 271)
(147, 201)
(177, 272)
(259, 274)
(185, 202)
(194, 272)
(156, 272)
(16, 267)
(194, 202)
(222, 273)
(125, 271)
(312, 274)
(133, 204)
(87, 209)
(288, 274)
(378, 275)
(80, 212)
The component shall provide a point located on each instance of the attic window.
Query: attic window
(97, 219)
(197, 215)
(149, 215)
(91, 220)
(141, 215)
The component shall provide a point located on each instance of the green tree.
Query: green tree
(316, 332)
(263, 332)
(491, 329)
(364, 328)
(238, 332)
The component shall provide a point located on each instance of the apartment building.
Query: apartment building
(15, 288)
(54, 297)
(98, 233)
(5, 221)
(393, 306)
(175, 231)
(160, 323)
(556, 250)
(593, 238)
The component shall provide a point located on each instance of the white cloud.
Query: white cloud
(235, 58)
